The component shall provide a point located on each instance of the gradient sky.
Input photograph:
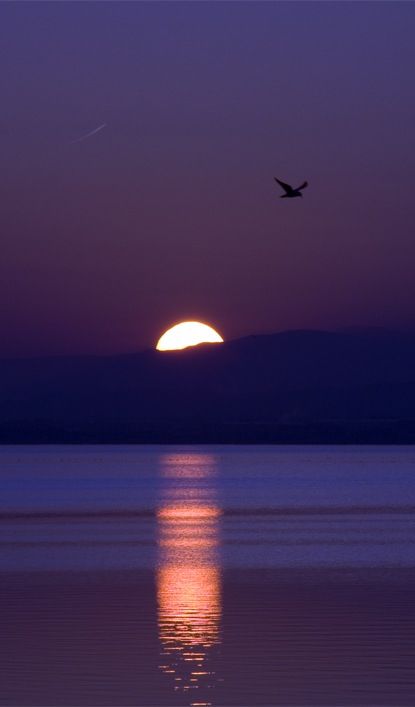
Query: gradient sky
(171, 211)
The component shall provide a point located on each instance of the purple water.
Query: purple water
(207, 575)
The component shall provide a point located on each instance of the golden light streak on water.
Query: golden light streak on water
(188, 575)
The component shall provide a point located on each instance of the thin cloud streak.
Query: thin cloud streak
(92, 132)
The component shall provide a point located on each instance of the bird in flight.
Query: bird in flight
(290, 193)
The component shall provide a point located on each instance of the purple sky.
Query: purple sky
(170, 212)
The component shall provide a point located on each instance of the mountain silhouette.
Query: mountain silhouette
(297, 386)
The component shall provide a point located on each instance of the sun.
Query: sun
(187, 334)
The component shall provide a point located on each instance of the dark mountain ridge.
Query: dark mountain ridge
(297, 386)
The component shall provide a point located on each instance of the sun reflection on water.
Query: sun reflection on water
(188, 575)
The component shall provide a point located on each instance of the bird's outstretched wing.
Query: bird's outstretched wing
(303, 186)
(285, 186)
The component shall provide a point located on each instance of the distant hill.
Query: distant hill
(298, 386)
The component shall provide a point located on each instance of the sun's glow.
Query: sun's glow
(187, 334)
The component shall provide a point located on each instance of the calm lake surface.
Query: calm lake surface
(223, 575)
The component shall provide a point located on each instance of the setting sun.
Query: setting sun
(187, 334)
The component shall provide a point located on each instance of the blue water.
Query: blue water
(88, 507)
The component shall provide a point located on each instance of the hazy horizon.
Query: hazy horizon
(352, 330)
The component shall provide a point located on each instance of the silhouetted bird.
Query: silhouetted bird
(290, 193)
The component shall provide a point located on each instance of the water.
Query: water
(207, 575)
